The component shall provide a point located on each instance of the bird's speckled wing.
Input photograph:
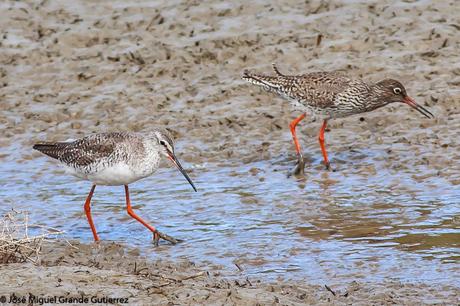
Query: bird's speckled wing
(317, 89)
(85, 151)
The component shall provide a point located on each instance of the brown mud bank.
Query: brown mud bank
(112, 272)
(71, 69)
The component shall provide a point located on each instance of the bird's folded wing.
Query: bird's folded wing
(318, 89)
(82, 152)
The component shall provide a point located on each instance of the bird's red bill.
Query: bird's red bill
(408, 100)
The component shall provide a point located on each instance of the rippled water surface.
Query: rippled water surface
(391, 211)
(329, 227)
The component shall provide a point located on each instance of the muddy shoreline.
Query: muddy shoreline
(113, 272)
(390, 210)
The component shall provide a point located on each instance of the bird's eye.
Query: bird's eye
(397, 90)
(163, 143)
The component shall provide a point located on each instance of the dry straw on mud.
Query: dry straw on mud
(15, 243)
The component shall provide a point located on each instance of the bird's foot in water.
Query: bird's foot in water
(329, 168)
(159, 235)
(299, 170)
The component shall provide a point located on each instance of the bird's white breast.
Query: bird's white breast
(114, 175)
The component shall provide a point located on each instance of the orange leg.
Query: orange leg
(300, 164)
(321, 143)
(132, 214)
(88, 213)
(292, 126)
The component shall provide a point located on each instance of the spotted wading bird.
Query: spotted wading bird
(330, 95)
(115, 159)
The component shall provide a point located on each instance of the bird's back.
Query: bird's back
(89, 151)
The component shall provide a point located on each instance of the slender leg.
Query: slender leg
(156, 234)
(323, 147)
(301, 163)
(88, 213)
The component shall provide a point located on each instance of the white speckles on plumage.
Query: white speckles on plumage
(115, 159)
(110, 158)
(329, 94)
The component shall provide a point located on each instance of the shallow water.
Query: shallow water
(390, 211)
(327, 228)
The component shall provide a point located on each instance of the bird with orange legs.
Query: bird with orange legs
(330, 95)
(115, 159)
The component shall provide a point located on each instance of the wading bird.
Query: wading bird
(330, 95)
(115, 159)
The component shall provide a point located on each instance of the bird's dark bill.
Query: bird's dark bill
(176, 162)
(418, 107)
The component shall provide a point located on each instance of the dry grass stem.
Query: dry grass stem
(16, 243)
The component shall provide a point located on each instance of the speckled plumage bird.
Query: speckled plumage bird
(115, 159)
(330, 95)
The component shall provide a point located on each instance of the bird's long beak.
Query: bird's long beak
(176, 162)
(408, 100)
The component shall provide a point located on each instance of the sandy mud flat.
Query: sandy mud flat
(120, 274)
(383, 229)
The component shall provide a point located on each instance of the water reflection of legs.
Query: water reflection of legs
(325, 183)
(302, 181)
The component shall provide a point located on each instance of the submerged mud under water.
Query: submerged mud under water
(323, 229)
(390, 211)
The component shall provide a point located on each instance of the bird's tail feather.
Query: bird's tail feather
(52, 149)
(268, 82)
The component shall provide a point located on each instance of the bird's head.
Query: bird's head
(166, 148)
(392, 91)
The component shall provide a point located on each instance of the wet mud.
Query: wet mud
(389, 211)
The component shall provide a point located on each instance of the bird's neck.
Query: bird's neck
(151, 154)
(376, 97)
